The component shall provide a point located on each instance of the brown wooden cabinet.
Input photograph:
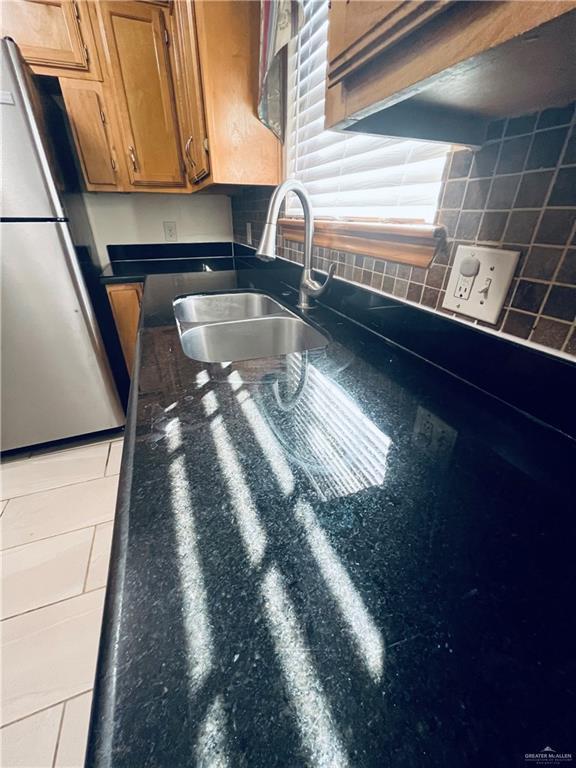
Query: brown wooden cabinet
(125, 300)
(55, 36)
(94, 127)
(361, 30)
(189, 93)
(443, 70)
(242, 149)
(135, 45)
(169, 100)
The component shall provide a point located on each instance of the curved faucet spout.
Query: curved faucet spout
(267, 248)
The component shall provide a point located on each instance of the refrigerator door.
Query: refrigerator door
(28, 189)
(55, 381)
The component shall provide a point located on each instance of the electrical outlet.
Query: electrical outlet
(463, 287)
(479, 281)
(249, 232)
(170, 233)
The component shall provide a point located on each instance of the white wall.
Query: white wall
(120, 219)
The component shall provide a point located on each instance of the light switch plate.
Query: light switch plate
(484, 298)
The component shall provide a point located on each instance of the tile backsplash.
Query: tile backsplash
(518, 192)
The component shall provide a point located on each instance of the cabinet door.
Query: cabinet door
(359, 30)
(441, 70)
(136, 49)
(125, 300)
(189, 91)
(242, 149)
(52, 35)
(94, 135)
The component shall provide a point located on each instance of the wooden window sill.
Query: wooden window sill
(408, 243)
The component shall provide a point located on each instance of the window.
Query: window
(350, 176)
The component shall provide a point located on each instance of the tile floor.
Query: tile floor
(56, 521)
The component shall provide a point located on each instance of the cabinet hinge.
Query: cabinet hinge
(206, 145)
(103, 117)
(76, 10)
(113, 162)
(86, 52)
(166, 37)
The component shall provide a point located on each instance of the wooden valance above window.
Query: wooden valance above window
(408, 243)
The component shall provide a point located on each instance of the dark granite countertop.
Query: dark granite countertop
(133, 263)
(136, 270)
(345, 558)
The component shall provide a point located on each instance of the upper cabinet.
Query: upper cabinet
(95, 133)
(161, 96)
(55, 36)
(135, 46)
(442, 70)
(242, 150)
(360, 30)
(189, 91)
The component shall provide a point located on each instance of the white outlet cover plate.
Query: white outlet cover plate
(496, 265)
(170, 232)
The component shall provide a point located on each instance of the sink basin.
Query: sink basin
(222, 327)
(224, 307)
(248, 339)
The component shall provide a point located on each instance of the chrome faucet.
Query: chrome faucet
(267, 248)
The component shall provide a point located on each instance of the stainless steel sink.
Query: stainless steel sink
(249, 339)
(225, 307)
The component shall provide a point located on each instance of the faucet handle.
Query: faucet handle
(315, 289)
(331, 271)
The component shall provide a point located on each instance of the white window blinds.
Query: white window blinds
(350, 175)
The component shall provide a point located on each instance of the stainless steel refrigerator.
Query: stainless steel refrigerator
(55, 378)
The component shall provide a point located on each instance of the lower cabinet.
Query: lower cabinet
(125, 300)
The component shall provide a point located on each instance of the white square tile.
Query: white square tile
(44, 571)
(113, 467)
(31, 743)
(52, 470)
(100, 557)
(74, 733)
(48, 513)
(50, 654)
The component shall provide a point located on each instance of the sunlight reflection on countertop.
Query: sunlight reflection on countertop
(316, 570)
